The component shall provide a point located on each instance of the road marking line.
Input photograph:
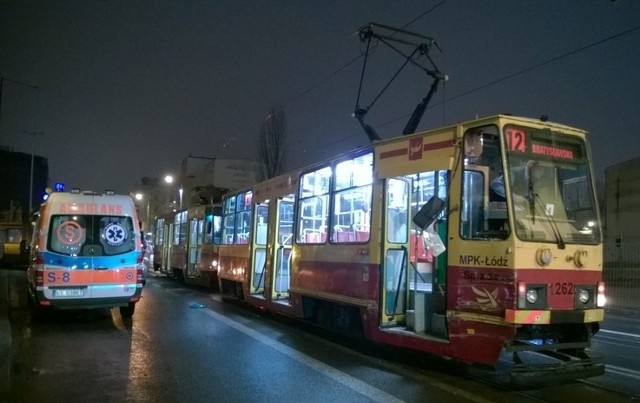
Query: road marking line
(623, 371)
(621, 333)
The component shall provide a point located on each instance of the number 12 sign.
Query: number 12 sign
(516, 139)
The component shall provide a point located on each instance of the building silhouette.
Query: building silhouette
(15, 171)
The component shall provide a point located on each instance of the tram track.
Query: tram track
(557, 393)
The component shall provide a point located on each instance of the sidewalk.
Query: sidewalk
(5, 335)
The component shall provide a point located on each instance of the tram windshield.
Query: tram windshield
(550, 187)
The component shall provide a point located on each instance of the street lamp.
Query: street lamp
(168, 179)
(140, 197)
(33, 140)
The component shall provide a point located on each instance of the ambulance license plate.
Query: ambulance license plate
(69, 292)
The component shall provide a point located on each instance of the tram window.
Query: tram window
(354, 172)
(313, 220)
(482, 215)
(351, 215)
(261, 224)
(243, 219)
(195, 232)
(313, 206)
(285, 221)
(217, 230)
(351, 199)
(315, 183)
(228, 220)
(208, 229)
(212, 229)
(180, 228)
(397, 218)
(472, 219)
(228, 229)
(236, 219)
(230, 205)
(243, 201)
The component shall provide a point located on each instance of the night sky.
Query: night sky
(127, 89)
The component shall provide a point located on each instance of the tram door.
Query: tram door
(271, 257)
(168, 245)
(281, 252)
(395, 251)
(259, 249)
(194, 243)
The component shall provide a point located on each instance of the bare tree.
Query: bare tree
(272, 143)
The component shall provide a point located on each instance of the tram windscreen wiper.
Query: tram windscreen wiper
(552, 223)
(530, 194)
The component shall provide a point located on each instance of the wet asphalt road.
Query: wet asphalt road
(184, 345)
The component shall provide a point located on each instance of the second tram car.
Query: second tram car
(478, 242)
(186, 245)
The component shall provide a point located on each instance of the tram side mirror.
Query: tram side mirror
(428, 212)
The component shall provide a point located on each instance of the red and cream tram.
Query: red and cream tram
(475, 242)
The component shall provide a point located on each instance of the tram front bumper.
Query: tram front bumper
(545, 317)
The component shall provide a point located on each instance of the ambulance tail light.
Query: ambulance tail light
(139, 276)
(140, 280)
(601, 299)
(39, 270)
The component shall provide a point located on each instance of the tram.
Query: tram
(479, 242)
(186, 245)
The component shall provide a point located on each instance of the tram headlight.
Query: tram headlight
(584, 295)
(587, 296)
(532, 296)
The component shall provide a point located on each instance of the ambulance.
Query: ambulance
(86, 252)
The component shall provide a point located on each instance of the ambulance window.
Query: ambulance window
(67, 234)
(116, 234)
(91, 235)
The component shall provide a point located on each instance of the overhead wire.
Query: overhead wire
(471, 91)
(526, 70)
(355, 59)
(352, 61)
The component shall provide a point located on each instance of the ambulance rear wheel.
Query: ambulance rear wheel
(127, 311)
